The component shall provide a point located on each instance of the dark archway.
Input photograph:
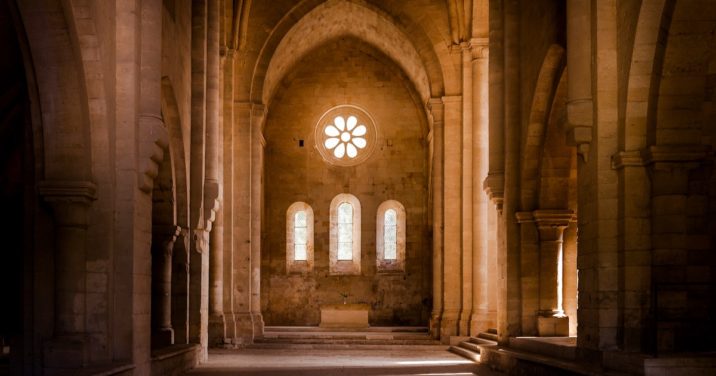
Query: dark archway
(17, 186)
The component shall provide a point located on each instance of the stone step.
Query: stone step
(470, 346)
(490, 336)
(347, 341)
(482, 341)
(345, 346)
(381, 329)
(556, 347)
(357, 335)
(465, 353)
(514, 361)
(492, 331)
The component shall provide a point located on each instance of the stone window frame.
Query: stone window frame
(398, 264)
(292, 265)
(345, 267)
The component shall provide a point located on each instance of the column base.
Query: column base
(464, 324)
(217, 330)
(244, 329)
(435, 325)
(552, 326)
(481, 322)
(66, 351)
(162, 338)
(258, 320)
(448, 326)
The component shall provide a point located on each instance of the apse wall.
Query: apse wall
(346, 71)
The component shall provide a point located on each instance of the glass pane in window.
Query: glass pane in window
(345, 213)
(345, 233)
(299, 252)
(390, 241)
(345, 251)
(391, 217)
(300, 235)
(300, 219)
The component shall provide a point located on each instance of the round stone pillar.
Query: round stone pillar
(551, 224)
(162, 251)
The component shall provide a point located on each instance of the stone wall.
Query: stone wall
(345, 72)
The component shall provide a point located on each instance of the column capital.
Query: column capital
(551, 223)
(67, 191)
(524, 217)
(480, 48)
(553, 218)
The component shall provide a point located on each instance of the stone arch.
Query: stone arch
(292, 39)
(557, 158)
(551, 73)
(177, 154)
(645, 71)
(62, 95)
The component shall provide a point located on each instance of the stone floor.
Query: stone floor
(345, 362)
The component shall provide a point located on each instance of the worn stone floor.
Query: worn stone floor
(345, 362)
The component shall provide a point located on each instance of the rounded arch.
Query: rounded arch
(291, 40)
(177, 155)
(352, 266)
(647, 57)
(61, 91)
(384, 263)
(294, 223)
(551, 74)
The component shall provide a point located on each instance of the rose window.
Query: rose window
(345, 135)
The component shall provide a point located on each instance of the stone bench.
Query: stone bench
(344, 315)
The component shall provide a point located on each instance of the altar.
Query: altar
(344, 315)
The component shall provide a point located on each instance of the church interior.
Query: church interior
(527, 186)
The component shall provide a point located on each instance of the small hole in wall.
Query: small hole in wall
(300, 143)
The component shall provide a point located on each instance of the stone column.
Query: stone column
(466, 262)
(70, 202)
(241, 229)
(212, 190)
(217, 333)
(551, 224)
(258, 143)
(480, 320)
(452, 205)
(162, 250)
(579, 85)
(530, 272)
(436, 141)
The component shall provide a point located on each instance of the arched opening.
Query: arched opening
(17, 197)
(346, 71)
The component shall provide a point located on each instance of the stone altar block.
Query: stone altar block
(344, 315)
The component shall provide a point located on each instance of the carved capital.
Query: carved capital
(69, 200)
(153, 141)
(201, 240)
(480, 48)
(551, 223)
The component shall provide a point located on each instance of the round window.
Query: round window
(345, 135)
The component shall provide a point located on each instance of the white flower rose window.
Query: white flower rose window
(345, 135)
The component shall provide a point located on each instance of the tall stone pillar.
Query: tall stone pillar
(530, 271)
(579, 85)
(162, 251)
(436, 142)
(213, 186)
(480, 320)
(258, 143)
(70, 202)
(466, 262)
(551, 224)
(452, 206)
(241, 227)
(217, 334)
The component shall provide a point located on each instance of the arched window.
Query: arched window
(390, 237)
(299, 238)
(345, 245)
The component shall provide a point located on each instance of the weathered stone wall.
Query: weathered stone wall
(345, 72)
